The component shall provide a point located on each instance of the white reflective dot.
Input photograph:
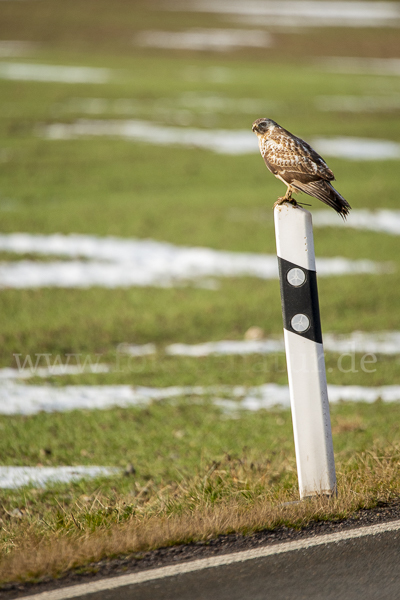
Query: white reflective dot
(296, 277)
(300, 323)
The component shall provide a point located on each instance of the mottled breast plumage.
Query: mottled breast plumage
(283, 151)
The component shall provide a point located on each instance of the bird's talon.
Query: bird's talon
(283, 199)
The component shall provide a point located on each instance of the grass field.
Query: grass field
(189, 457)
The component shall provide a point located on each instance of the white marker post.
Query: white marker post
(304, 351)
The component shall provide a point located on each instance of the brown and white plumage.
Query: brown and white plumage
(296, 164)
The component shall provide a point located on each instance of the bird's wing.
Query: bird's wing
(292, 159)
(324, 191)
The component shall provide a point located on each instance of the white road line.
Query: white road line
(216, 561)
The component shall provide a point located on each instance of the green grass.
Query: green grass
(170, 443)
(96, 321)
(104, 186)
(172, 440)
(186, 197)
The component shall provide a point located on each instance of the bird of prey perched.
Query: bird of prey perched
(294, 162)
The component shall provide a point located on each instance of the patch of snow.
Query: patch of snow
(295, 13)
(385, 342)
(77, 274)
(269, 395)
(265, 396)
(17, 398)
(384, 220)
(354, 148)
(15, 477)
(361, 342)
(55, 73)
(226, 347)
(358, 104)
(136, 349)
(141, 263)
(358, 393)
(221, 141)
(361, 65)
(221, 40)
(28, 400)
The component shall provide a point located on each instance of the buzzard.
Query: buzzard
(294, 162)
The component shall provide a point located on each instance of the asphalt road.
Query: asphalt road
(366, 568)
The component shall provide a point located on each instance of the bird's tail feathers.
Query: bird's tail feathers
(325, 192)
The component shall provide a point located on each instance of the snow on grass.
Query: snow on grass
(15, 477)
(80, 274)
(54, 73)
(226, 347)
(380, 220)
(386, 342)
(117, 262)
(16, 398)
(309, 13)
(362, 342)
(221, 40)
(358, 341)
(358, 104)
(384, 220)
(137, 349)
(221, 141)
(361, 65)
(354, 148)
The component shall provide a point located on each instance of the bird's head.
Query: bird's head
(261, 126)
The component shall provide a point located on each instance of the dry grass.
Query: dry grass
(229, 498)
(347, 425)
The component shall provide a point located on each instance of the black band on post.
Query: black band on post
(300, 306)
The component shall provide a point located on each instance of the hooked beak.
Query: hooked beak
(254, 128)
